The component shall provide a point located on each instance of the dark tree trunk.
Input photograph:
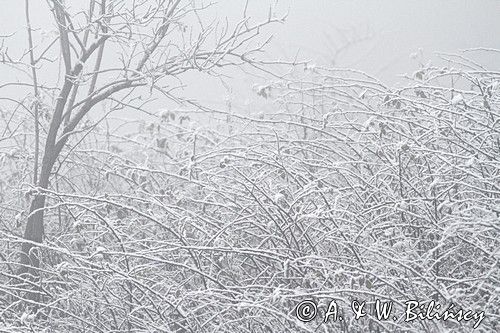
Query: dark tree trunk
(34, 232)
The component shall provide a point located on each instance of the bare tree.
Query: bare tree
(197, 219)
(154, 42)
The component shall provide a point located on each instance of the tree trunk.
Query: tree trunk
(34, 232)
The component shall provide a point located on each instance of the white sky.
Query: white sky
(395, 28)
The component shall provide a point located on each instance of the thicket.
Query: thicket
(206, 220)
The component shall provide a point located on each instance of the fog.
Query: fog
(397, 29)
(379, 37)
(374, 36)
(198, 166)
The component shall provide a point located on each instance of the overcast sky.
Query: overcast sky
(398, 28)
(386, 31)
